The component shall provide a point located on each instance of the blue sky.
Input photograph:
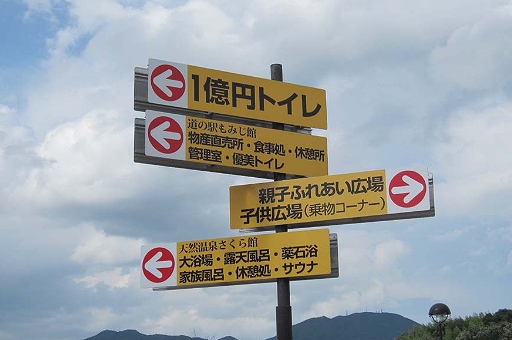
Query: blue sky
(26, 34)
(408, 84)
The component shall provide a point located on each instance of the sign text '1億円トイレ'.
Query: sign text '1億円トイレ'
(208, 90)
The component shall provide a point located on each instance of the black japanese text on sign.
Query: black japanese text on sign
(246, 259)
(209, 90)
(234, 145)
(334, 199)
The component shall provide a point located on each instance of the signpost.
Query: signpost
(180, 101)
(230, 147)
(196, 88)
(337, 199)
(237, 260)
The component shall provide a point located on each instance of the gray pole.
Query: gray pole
(283, 309)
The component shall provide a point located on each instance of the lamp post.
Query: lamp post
(439, 313)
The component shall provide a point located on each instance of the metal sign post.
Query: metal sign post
(283, 308)
(211, 120)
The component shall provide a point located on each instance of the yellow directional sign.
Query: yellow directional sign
(203, 89)
(213, 142)
(338, 199)
(231, 260)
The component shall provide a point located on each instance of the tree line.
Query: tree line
(489, 326)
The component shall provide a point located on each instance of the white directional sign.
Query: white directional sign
(158, 265)
(408, 191)
(165, 135)
(167, 83)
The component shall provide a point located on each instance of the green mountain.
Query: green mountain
(358, 326)
(131, 334)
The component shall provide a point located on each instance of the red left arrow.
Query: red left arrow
(168, 83)
(165, 134)
(158, 265)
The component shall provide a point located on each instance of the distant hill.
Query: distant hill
(131, 334)
(358, 326)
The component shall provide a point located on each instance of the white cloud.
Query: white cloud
(478, 252)
(471, 160)
(449, 236)
(7, 336)
(97, 247)
(509, 260)
(5, 111)
(64, 39)
(15, 142)
(99, 318)
(393, 71)
(477, 55)
(23, 236)
(251, 320)
(504, 233)
(388, 252)
(370, 295)
(326, 307)
(37, 6)
(91, 15)
(112, 278)
(85, 161)
(369, 252)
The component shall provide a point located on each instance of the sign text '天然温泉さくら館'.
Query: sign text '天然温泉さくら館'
(237, 260)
